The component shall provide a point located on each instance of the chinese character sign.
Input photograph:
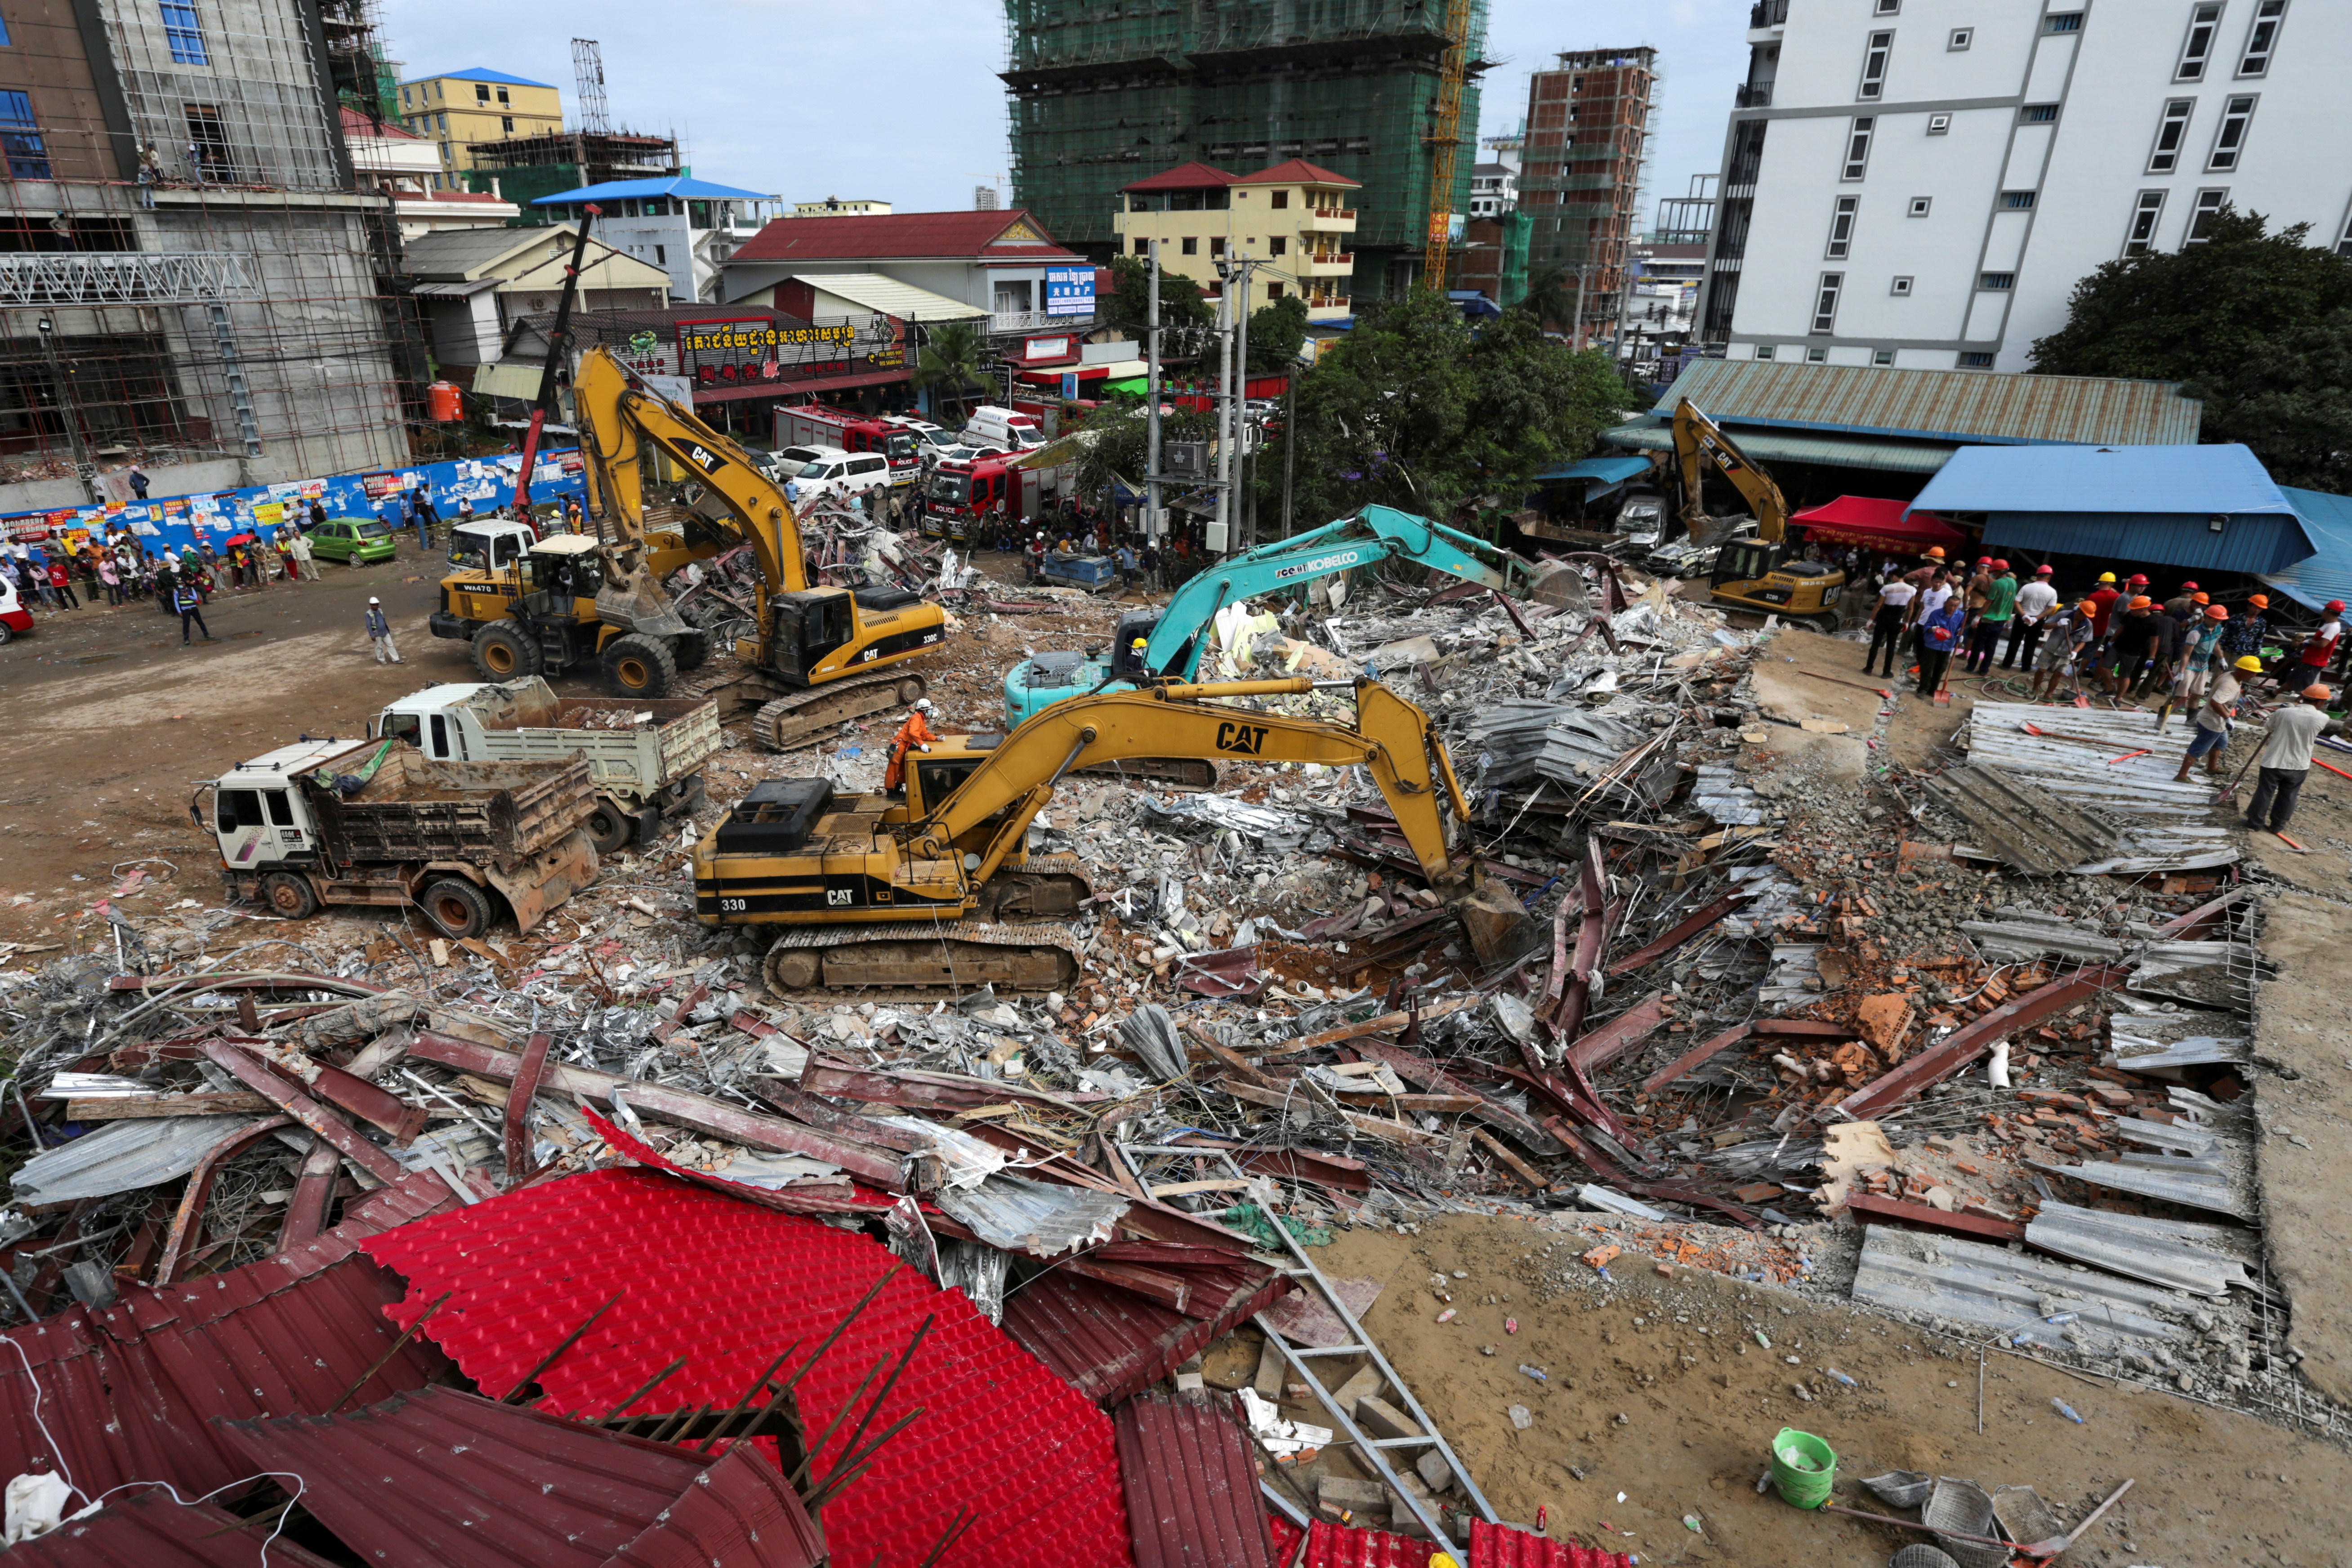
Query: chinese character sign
(1070, 291)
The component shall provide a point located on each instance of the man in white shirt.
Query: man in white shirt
(1886, 626)
(2034, 603)
(2285, 762)
(2210, 734)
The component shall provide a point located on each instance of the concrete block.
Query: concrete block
(1270, 1370)
(1400, 1516)
(1189, 1382)
(1366, 1380)
(1382, 1419)
(1339, 1491)
(1435, 1472)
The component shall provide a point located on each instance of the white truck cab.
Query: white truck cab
(259, 816)
(489, 543)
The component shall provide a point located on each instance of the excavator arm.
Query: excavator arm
(1380, 534)
(1700, 443)
(1390, 739)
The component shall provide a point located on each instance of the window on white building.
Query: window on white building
(1961, 38)
(2062, 22)
(1884, 7)
(1817, 355)
(1921, 206)
(1882, 356)
(1857, 148)
(2140, 238)
(2343, 239)
(2170, 132)
(1842, 228)
(1976, 361)
(1874, 64)
(1939, 124)
(2261, 37)
(1900, 288)
(2198, 48)
(1997, 281)
(2200, 216)
(2017, 201)
(1763, 351)
(2038, 113)
(1825, 302)
(2230, 140)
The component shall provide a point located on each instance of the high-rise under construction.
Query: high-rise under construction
(1587, 124)
(1102, 95)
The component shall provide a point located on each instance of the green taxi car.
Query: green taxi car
(356, 540)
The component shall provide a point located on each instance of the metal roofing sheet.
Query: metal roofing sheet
(1650, 434)
(122, 1157)
(129, 1393)
(1332, 1545)
(1616, 471)
(1040, 1218)
(148, 1530)
(2149, 480)
(2326, 573)
(442, 1478)
(661, 185)
(731, 1285)
(892, 298)
(2141, 786)
(857, 236)
(1939, 404)
(1191, 1477)
(2255, 544)
(2203, 1259)
(1500, 1546)
(1110, 1343)
(1966, 1281)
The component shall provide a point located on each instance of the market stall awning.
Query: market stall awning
(1611, 470)
(1877, 522)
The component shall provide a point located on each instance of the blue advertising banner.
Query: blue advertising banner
(178, 521)
(1070, 291)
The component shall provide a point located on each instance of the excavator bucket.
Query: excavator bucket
(633, 599)
(1495, 922)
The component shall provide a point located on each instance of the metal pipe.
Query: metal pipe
(1153, 527)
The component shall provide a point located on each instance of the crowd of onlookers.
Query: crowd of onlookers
(122, 567)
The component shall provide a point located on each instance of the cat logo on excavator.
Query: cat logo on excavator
(1242, 739)
(708, 461)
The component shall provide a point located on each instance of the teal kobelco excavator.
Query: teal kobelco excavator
(1175, 636)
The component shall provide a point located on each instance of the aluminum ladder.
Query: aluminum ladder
(1377, 1449)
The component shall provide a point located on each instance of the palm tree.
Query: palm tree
(950, 360)
(1551, 299)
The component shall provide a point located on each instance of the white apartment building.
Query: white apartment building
(1922, 183)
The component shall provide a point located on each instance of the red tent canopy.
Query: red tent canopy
(1876, 523)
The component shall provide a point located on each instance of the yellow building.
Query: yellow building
(477, 105)
(1293, 219)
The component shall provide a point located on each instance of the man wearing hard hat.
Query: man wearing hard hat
(914, 736)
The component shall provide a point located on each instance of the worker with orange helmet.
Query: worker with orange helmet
(2286, 760)
(1924, 572)
(2248, 629)
(2193, 667)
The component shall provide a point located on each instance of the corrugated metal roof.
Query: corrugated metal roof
(731, 1285)
(1650, 434)
(685, 185)
(1964, 1282)
(1938, 405)
(892, 298)
(442, 1478)
(1332, 1545)
(1500, 1546)
(2203, 1259)
(1108, 1343)
(1616, 471)
(1040, 1218)
(118, 1158)
(2326, 573)
(1191, 1484)
(148, 1530)
(857, 236)
(2144, 480)
(2253, 544)
(129, 1394)
(2141, 788)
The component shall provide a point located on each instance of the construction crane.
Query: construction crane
(884, 893)
(1444, 143)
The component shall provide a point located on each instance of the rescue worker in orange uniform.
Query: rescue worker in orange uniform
(914, 734)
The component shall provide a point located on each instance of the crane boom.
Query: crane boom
(1766, 573)
(1445, 142)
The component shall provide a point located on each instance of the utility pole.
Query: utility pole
(1220, 537)
(1289, 439)
(1247, 510)
(1152, 526)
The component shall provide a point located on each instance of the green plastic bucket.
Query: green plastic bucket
(1802, 1469)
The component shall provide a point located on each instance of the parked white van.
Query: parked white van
(834, 472)
(989, 425)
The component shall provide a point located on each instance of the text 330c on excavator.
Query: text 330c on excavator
(933, 890)
(1761, 574)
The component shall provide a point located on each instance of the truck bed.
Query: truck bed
(627, 757)
(486, 813)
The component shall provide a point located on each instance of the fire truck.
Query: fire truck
(814, 424)
(963, 492)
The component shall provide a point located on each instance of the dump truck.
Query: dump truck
(645, 754)
(376, 822)
(941, 888)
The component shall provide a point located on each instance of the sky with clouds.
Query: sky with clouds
(902, 103)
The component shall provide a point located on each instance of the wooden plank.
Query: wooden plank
(1518, 1167)
(1175, 1189)
(139, 1107)
(1379, 1026)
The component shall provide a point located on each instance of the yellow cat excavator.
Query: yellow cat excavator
(817, 655)
(1761, 574)
(933, 890)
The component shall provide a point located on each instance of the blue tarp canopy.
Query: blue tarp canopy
(2212, 507)
(681, 185)
(1614, 470)
(2327, 573)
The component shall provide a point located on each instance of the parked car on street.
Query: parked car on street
(354, 541)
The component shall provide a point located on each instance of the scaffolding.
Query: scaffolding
(189, 272)
(1588, 134)
(1102, 95)
(530, 167)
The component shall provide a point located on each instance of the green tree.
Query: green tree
(1551, 300)
(1120, 437)
(2258, 325)
(1275, 330)
(1411, 411)
(950, 362)
(1128, 307)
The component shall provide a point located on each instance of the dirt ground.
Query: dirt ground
(1658, 1390)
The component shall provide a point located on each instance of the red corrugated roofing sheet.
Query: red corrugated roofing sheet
(1192, 176)
(441, 1478)
(1500, 1546)
(852, 237)
(1332, 1545)
(1297, 171)
(129, 1394)
(1191, 1484)
(148, 1530)
(845, 1198)
(731, 1285)
(1110, 1343)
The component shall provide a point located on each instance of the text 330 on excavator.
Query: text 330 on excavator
(1761, 574)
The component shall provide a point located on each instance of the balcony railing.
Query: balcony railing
(1338, 215)
(1035, 322)
(1756, 97)
(1769, 14)
(1329, 260)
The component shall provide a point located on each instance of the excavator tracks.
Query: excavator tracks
(800, 718)
(965, 955)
